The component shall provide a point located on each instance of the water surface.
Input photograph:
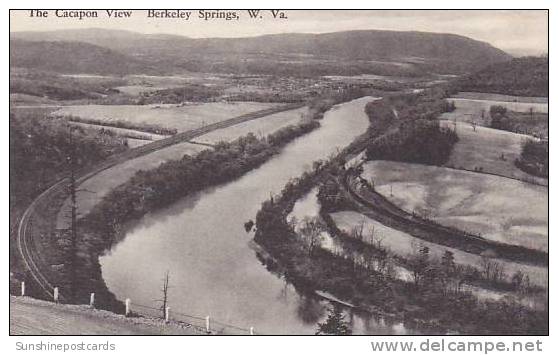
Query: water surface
(202, 242)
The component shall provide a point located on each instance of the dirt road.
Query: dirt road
(34, 317)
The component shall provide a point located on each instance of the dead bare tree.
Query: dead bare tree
(311, 230)
(165, 291)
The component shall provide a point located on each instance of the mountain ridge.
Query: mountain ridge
(447, 53)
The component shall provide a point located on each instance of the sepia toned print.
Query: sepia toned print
(279, 172)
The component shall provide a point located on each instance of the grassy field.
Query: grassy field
(500, 97)
(260, 127)
(497, 208)
(467, 109)
(483, 147)
(182, 118)
(403, 244)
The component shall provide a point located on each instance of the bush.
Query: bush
(534, 158)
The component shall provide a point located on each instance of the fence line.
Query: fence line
(207, 324)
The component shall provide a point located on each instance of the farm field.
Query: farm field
(468, 109)
(99, 185)
(403, 244)
(497, 208)
(482, 147)
(500, 97)
(182, 118)
(260, 127)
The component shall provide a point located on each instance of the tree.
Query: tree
(497, 112)
(311, 230)
(335, 324)
(419, 262)
(448, 263)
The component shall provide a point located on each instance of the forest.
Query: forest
(525, 76)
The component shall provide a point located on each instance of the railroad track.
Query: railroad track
(25, 236)
(379, 208)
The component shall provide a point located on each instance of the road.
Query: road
(27, 226)
(34, 317)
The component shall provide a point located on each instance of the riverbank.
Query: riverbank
(371, 285)
(427, 303)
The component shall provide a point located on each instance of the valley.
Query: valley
(278, 177)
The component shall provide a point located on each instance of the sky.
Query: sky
(519, 32)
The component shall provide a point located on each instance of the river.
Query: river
(202, 242)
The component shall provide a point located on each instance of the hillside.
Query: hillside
(72, 57)
(443, 53)
(526, 76)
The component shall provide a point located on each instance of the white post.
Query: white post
(128, 308)
(55, 296)
(251, 330)
(92, 300)
(167, 314)
(207, 325)
(23, 288)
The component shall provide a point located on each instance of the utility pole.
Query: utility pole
(73, 216)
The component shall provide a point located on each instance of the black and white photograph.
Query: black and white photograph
(279, 172)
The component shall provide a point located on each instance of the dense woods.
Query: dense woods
(418, 141)
(526, 76)
(414, 135)
(39, 153)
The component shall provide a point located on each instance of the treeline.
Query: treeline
(271, 66)
(534, 158)
(149, 190)
(144, 127)
(526, 76)
(40, 147)
(431, 301)
(414, 135)
(172, 180)
(192, 92)
(56, 87)
(532, 123)
(419, 141)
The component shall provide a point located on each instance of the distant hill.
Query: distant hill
(72, 57)
(442, 53)
(525, 76)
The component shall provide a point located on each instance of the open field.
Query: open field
(404, 244)
(500, 97)
(468, 109)
(483, 147)
(260, 128)
(95, 188)
(183, 118)
(497, 208)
